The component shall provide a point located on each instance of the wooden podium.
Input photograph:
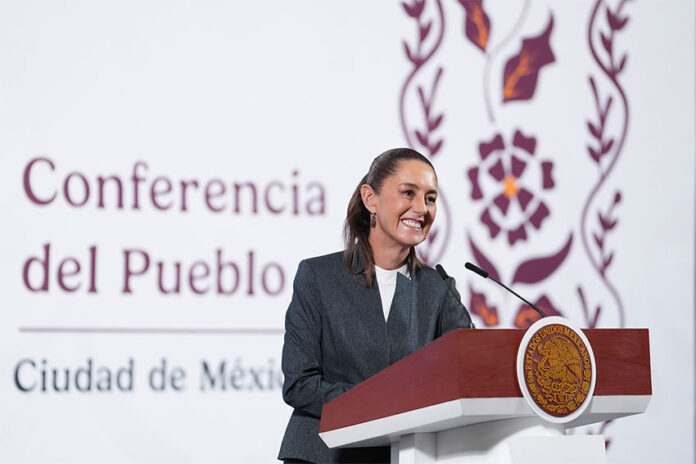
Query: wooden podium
(458, 400)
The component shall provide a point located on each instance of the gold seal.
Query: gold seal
(557, 369)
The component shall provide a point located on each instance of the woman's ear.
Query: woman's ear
(369, 198)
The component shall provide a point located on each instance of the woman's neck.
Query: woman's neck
(388, 257)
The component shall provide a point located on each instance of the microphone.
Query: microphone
(485, 275)
(443, 274)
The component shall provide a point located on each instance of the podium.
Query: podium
(458, 400)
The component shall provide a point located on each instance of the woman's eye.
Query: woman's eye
(431, 199)
(408, 193)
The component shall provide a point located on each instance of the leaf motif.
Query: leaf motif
(593, 153)
(537, 269)
(606, 42)
(615, 22)
(621, 22)
(424, 30)
(424, 101)
(522, 70)
(604, 113)
(407, 50)
(594, 89)
(611, 18)
(596, 133)
(606, 146)
(435, 148)
(606, 223)
(477, 26)
(607, 261)
(422, 138)
(621, 65)
(414, 10)
(599, 241)
(482, 261)
(434, 123)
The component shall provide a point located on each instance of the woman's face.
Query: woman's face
(405, 206)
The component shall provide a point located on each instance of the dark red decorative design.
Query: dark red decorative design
(432, 121)
(477, 26)
(496, 144)
(482, 261)
(476, 193)
(527, 316)
(607, 149)
(418, 55)
(507, 166)
(479, 306)
(493, 228)
(607, 222)
(528, 144)
(604, 144)
(522, 70)
(537, 269)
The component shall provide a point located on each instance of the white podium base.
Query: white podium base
(512, 441)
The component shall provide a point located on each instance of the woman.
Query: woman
(355, 312)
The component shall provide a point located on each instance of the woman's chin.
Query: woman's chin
(412, 238)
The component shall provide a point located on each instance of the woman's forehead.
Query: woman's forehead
(414, 172)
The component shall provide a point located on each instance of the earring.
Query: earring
(373, 221)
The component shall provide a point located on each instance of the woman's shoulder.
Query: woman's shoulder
(324, 263)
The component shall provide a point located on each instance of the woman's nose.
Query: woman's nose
(419, 206)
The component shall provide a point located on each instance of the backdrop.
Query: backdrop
(166, 165)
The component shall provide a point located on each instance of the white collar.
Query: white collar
(388, 276)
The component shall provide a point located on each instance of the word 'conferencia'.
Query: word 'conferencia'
(44, 185)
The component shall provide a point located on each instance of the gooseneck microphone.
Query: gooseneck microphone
(443, 274)
(485, 275)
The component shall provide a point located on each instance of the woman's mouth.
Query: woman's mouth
(412, 223)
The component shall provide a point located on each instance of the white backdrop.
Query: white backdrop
(292, 100)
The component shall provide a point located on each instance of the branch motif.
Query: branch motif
(432, 121)
(418, 56)
(607, 150)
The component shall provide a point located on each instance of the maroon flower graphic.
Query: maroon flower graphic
(513, 206)
(527, 316)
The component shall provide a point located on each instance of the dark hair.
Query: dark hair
(357, 226)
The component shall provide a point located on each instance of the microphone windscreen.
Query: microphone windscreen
(476, 269)
(441, 271)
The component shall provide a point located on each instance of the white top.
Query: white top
(386, 281)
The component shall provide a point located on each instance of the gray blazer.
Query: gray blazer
(336, 337)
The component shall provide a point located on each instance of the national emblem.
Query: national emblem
(557, 368)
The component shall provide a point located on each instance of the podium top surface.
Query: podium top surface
(480, 364)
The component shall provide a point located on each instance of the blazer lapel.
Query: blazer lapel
(399, 319)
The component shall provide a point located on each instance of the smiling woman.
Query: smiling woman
(341, 328)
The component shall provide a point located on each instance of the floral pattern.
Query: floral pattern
(508, 190)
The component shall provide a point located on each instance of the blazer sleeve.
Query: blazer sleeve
(452, 315)
(304, 387)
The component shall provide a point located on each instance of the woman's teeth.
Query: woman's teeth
(411, 223)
